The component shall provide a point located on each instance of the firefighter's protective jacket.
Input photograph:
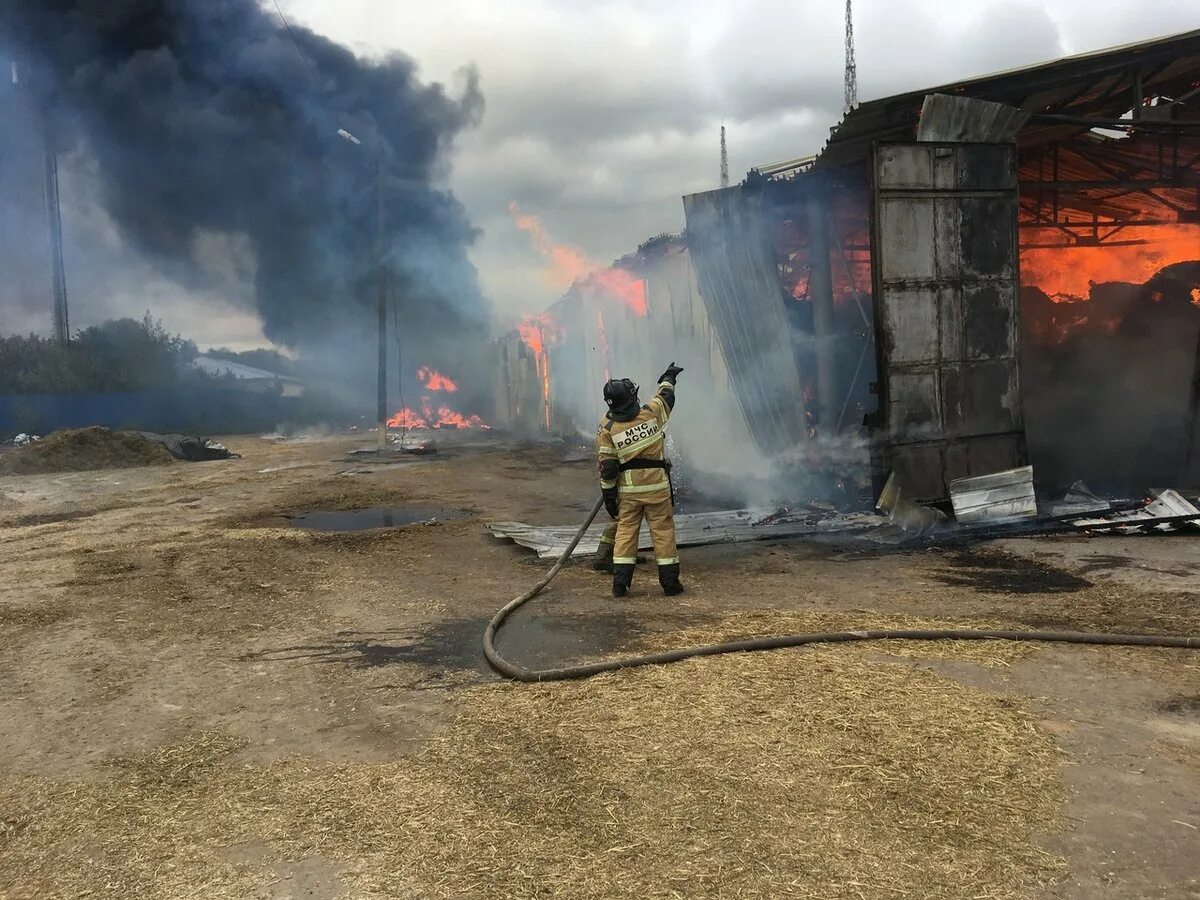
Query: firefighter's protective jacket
(631, 454)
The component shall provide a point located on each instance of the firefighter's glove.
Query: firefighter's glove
(671, 374)
(610, 501)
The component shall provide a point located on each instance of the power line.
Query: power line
(312, 73)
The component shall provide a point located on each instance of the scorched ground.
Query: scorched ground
(202, 701)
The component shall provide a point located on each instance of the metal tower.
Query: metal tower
(724, 161)
(851, 97)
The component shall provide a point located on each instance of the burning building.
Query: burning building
(1075, 181)
(966, 278)
(621, 325)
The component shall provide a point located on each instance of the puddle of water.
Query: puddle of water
(452, 645)
(374, 517)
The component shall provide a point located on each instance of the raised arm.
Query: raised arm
(664, 398)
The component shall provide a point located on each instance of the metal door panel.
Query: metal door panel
(947, 313)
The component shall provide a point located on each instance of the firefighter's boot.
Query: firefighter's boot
(668, 577)
(622, 579)
(603, 560)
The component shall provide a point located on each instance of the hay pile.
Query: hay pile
(84, 449)
(812, 774)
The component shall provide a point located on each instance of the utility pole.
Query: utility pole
(58, 275)
(58, 278)
(381, 254)
(383, 280)
(851, 92)
(724, 161)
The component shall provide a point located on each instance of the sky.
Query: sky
(601, 114)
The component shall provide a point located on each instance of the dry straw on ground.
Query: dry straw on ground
(821, 773)
(82, 449)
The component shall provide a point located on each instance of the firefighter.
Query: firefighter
(635, 480)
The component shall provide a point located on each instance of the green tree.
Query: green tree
(117, 355)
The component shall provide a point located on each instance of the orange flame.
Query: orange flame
(569, 265)
(448, 418)
(532, 330)
(1068, 273)
(444, 417)
(427, 416)
(433, 380)
(621, 285)
(408, 419)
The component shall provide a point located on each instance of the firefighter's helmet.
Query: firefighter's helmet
(620, 394)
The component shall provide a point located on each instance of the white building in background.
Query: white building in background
(249, 378)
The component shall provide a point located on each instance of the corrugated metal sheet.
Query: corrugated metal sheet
(695, 529)
(1169, 504)
(945, 117)
(999, 497)
(739, 282)
(787, 168)
(1080, 85)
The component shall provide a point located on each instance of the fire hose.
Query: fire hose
(586, 670)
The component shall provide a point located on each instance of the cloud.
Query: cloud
(599, 119)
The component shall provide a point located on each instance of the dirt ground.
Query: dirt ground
(168, 643)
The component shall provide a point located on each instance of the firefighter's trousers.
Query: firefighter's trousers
(660, 515)
(608, 540)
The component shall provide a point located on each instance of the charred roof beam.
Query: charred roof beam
(1119, 124)
(1182, 180)
(1127, 171)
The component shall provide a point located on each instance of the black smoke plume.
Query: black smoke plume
(202, 117)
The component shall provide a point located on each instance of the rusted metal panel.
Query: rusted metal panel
(947, 314)
(953, 117)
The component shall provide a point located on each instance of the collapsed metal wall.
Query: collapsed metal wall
(738, 276)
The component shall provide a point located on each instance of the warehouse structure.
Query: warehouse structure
(967, 277)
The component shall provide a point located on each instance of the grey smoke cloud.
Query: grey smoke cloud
(200, 142)
(602, 113)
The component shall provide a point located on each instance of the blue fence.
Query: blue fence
(205, 411)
